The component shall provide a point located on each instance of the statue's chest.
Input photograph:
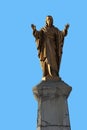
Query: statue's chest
(49, 33)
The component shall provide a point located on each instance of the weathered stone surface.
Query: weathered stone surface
(52, 105)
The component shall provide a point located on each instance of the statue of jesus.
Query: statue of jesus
(49, 40)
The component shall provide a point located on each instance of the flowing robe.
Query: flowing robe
(49, 44)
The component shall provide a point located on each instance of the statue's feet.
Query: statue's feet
(48, 77)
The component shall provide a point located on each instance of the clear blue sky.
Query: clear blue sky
(19, 66)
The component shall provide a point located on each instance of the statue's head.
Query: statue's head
(49, 20)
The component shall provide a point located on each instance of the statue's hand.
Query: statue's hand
(65, 31)
(67, 26)
(33, 26)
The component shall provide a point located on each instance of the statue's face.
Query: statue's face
(49, 21)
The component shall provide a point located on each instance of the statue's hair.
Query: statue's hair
(50, 18)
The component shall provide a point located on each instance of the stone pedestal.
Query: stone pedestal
(52, 105)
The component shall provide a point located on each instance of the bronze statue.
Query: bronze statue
(49, 42)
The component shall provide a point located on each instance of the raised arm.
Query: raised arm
(35, 32)
(65, 31)
(33, 27)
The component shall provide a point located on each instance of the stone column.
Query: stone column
(52, 105)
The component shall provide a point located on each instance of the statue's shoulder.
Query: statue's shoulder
(43, 28)
(56, 28)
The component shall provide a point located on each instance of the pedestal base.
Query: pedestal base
(52, 105)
